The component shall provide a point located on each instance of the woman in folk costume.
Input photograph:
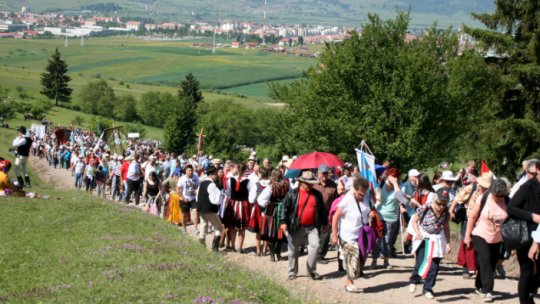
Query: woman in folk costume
(271, 199)
(174, 213)
(256, 217)
(431, 230)
(237, 191)
(356, 238)
(228, 218)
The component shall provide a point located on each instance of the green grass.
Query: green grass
(259, 90)
(76, 248)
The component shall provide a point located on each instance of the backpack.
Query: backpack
(460, 213)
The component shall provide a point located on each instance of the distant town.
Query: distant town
(25, 24)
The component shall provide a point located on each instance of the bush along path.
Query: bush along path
(379, 285)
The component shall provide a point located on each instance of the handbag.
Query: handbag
(515, 234)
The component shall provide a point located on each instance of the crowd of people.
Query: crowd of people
(316, 210)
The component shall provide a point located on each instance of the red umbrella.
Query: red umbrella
(315, 159)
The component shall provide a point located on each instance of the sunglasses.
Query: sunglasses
(532, 173)
(442, 204)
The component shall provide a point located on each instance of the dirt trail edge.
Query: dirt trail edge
(385, 286)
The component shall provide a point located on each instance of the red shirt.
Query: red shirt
(123, 170)
(308, 217)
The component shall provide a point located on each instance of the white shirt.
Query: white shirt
(253, 180)
(188, 186)
(536, 235)
(253, 191)
(264, 197)
(19, 141)
(149, 169)
(352, 220)
(79, 167)
(518, 185)
(214, 194)
(134, 169)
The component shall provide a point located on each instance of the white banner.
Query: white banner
(39, 130)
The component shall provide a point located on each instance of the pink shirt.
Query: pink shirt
(488, 225)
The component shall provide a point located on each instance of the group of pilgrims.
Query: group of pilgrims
(325, 208)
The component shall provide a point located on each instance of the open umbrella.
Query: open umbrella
(314, 159)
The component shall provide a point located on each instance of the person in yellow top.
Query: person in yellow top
(174, 213)
(5, 182)
(6, 186)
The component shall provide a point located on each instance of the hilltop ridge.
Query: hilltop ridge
(325, 12)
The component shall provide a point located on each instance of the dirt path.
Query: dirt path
(380, 286)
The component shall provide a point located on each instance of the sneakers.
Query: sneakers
(412, 288)
(373, 265)
(467, 276)
(479, 292)
(386, 265)
(488, 298)
(195, 231)
(429, 295)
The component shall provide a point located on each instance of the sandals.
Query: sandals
(352, 289)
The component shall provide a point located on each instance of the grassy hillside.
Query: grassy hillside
(130, 60)
(75, 248)
(336, 12)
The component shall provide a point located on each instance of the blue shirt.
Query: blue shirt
(408, 189)
(389, 207)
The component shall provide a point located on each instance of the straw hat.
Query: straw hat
(485, 179)
(307, 177)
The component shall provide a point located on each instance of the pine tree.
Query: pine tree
(55, 81)
(513, 32)
(190, 89)
(179, 128)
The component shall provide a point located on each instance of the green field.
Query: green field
(133, 66)
(136, 61)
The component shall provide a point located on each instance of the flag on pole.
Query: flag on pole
(485, 169)
(366, 165)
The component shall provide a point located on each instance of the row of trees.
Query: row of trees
(416, 103)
